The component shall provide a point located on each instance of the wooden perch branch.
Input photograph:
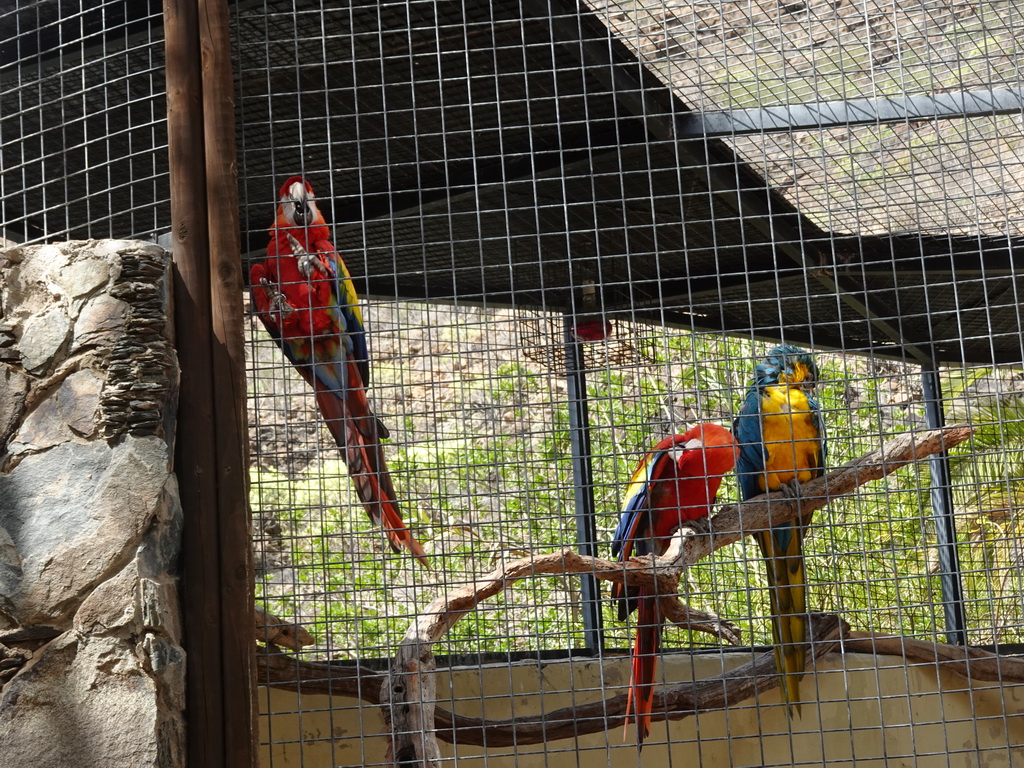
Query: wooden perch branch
(408, 692)
(970, 663)
(728, 526)
(688, 617)
(271, 629)
(289, 673)
(671, 703)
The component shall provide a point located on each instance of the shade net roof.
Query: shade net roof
(510, 155)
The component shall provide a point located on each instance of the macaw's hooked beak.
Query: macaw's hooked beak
(298, 196)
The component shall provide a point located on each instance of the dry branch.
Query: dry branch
(688, 617)
(287, 634)
(671, 703)
(690, 544)
(407, 702)
(413, 664)
(970, 663)
(289, 673)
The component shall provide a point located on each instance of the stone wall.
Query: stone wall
(91, 664)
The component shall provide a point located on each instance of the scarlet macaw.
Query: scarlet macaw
(676, 481)
(782, 444)
(304, 296)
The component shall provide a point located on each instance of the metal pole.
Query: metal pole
(583, 485)
(942, 511)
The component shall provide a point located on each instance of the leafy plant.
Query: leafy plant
(484, 467)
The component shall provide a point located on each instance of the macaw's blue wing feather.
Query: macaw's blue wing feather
(819, 426)
(634, 522)
(746, 429)
(351, 317)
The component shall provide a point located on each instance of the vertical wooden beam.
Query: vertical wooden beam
(226, 286)
(209, 446)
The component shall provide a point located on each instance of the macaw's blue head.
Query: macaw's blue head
(790, 365)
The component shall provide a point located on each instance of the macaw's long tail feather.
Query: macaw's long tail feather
(645, 661)
(785, 569)
(357, 433)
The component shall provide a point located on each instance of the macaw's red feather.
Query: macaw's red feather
(645, 662)
(677, 481)
(357, 433)
(304, 296)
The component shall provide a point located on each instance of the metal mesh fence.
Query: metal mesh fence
(568, 339)
(82, 121)
(575, 230)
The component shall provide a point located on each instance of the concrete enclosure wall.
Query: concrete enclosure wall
(866, 712)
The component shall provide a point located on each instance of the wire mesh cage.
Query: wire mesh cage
(594, 284)
(573, 231)
(82, 121)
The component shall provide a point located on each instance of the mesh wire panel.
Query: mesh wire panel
(945, 176)
(594, 285)
(82, 121)
(557, 270)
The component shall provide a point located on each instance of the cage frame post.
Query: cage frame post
(941, 497)
(217, 566)
(583, 485)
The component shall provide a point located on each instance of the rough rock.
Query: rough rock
(83, 701)
(42, 336)
(75, 514)
(100, 320)
(112, 606)
(14, 385)
(67, 413)
(91, 666)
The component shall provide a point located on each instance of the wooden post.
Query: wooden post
(210, 460)
(227, 283)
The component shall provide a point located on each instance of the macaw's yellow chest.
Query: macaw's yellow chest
(790, 437)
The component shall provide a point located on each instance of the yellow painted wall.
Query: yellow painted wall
(860, 711)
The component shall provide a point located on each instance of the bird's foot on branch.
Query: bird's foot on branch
(791, 490)
(700, 526)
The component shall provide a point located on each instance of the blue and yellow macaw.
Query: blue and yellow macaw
(782, 444)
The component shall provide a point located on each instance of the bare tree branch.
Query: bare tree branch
(675, 610)
(690, 544)
(407, 692)
(271, 629)
(671, 703)
(970, 663)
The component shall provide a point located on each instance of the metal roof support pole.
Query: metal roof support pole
(942, 510)
(583, 485)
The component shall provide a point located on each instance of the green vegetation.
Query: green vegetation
(484, 466)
